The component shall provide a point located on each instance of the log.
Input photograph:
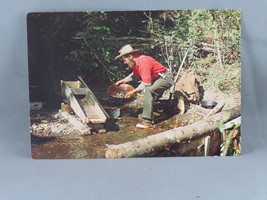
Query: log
(204, 44)
(207, 49)
(157, 142)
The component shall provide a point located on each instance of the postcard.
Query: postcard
(124, 84)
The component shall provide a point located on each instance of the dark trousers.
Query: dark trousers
(152, 93)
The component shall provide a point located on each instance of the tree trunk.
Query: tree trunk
(156, 142)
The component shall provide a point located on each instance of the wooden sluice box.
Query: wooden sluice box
(84, 104)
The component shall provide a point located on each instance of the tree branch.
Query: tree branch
(104, 66)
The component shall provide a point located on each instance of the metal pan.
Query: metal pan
(119, 91)
(208, 104)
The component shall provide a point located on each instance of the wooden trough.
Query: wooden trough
(83, 102)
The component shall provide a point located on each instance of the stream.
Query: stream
(73, 145)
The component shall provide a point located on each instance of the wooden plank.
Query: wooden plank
(72, 84)
(215, 143)
(207, 146)
(223, 136)
(96, 107)
(196, 147)
(92, 112)
(81, 127)
(90, 98)
(72, 101)
(190, 147)
(79, 91)
(88, 108)
(232, 123)
(93, 97)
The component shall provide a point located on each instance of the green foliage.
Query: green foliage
(232, 145)
(93, 56)
(166, 35)
(99, 46)
(191, 27)
(221, 127)
(227, 24)
(227, 79)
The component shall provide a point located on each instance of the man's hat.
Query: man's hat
(127, 49)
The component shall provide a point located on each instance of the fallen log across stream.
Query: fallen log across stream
(157, 142)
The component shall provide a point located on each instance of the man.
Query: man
(155, 79)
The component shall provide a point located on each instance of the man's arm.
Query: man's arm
(143, 85)
(140, 87)
(125, 80)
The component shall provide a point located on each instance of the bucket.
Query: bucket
(114, 113)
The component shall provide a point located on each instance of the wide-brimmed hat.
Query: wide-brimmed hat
(127, 49)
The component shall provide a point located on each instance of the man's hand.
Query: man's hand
(120, 82)
(131, 93)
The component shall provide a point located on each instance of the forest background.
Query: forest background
(62, 46)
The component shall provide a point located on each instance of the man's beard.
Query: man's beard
(130, 65)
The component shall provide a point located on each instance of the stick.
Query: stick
(218, 49)
(177, 75)
(181, 66)
(215, 110)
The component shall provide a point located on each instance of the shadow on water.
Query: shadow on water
(39, 140)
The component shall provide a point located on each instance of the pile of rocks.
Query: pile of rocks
(47, 124)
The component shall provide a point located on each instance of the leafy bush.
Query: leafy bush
(227, 79)
(166, 35)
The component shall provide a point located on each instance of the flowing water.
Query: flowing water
(93, 146)
(68, 143)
